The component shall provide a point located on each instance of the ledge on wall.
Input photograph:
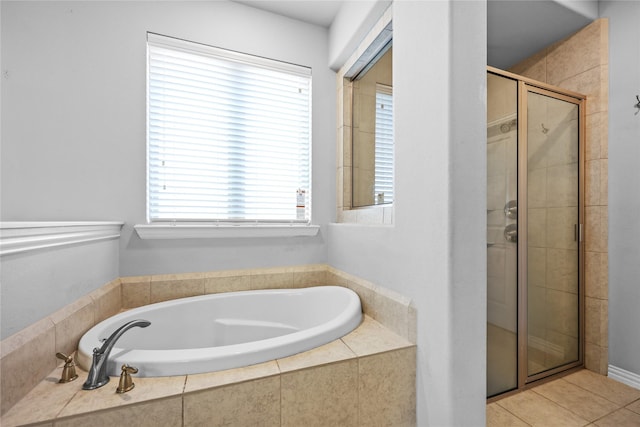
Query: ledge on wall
(24, 236)
(213, 231)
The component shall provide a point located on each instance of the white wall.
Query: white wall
(624, 179)
(350, 26)
(47, 266)
(73, 120)
(435, 252)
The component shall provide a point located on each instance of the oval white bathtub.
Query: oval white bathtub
(227, 330)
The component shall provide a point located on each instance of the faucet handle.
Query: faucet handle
(62, 356)
(126, 383)
(69, 369)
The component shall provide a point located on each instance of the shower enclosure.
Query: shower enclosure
(535, 220)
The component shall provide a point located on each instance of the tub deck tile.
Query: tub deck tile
(197, 382)
(366, 349)
(371, 338)
(105, 397)
(45, 401)
(335, 351)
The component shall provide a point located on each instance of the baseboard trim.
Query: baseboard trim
(629, 378)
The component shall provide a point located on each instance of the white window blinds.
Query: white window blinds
(228, 134)
(384, 145)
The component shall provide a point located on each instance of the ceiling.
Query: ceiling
(516, 29)
(318, 12)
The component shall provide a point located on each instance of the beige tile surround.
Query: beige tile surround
(30, 393)
(580, 63)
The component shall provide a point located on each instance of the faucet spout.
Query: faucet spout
(98, 371)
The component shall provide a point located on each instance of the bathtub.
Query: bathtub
(227, 330)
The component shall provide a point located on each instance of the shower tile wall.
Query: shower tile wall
(580, 63)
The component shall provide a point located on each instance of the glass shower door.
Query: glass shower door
(535, 304)
(553, 232)
(502, 250)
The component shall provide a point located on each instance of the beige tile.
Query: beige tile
(604, 360)
(604, 182)
(72, 322)
(539, 411)
(156, 413)
(575, 54)
(232, 283)
(595, 229)
(497, 416)
(45, 401)
(592, 354)
(363, 289)
(105, 397)
(612, 390)
(592, 183)
(335, 351)
(136, 291)
(390, 309)
(197, 382)
(596, 272)
(255, 402)
(168, 287)
(562, 269)
(387, 388)
(314, 275)
(272, 279)
(412, 319)
(560, 227)
(589, 83)
(595, 136)
(604, 139)
(562, 312)
(24, 366)
(321, 396)
(371, 337)
(107, 300)
(26, 335)
(604, 324)
(576, 399)
(635, 406)
(537, 231)
(593, 309)
(620, 418)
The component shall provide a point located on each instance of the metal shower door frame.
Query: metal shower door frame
(526, 86)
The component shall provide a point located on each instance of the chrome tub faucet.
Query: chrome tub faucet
(98, 371)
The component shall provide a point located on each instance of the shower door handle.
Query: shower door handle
(511, 233)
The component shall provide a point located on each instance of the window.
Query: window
(228, 135)
(383, 187)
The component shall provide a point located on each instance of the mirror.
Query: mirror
(372, 131)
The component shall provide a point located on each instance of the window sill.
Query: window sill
(209, 231)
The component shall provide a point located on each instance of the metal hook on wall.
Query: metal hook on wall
(638, 98)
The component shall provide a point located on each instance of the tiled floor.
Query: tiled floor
(580, 399)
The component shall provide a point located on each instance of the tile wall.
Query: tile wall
(580, 63)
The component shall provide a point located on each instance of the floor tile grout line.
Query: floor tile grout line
(597, 394)
(589, 391)
(498, 403)
(561, 406)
